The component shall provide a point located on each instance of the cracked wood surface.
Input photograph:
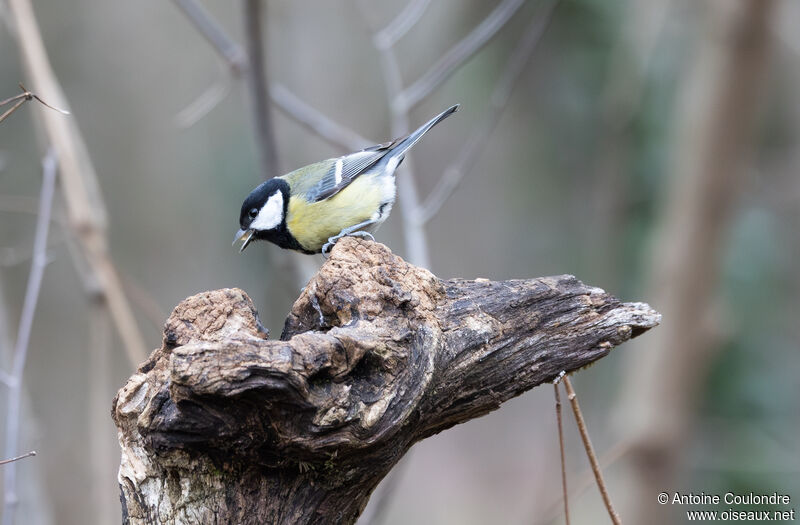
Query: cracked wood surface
(223, 425)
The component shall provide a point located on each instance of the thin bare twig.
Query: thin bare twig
(498, 101)
(26, 455)
(455, 56)
(401, 24)
(84, 203)
(316, 121)
(257, 85)
(12, 256)
(587, 443)
(288, 103)
(22, 98)
(584, 482)
(231, 52)
(14, 402)
(415, 236)
(561, 448)
(300, 268)
(202, 105)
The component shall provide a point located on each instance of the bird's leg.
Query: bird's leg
(352, 231)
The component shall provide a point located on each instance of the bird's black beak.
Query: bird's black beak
(245, 236)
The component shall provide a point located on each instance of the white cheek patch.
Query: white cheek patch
(271, 214)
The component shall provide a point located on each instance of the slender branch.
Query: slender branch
(84, 203)
(456, 56)
(14, 401)
(415, 236)
(230, 51)
(288, 103)
(498, 101)
(257, 85)
(587, 443)
(22, 98)
(400, 25)
(315, 121)
(26, 455)
(584, 482)
(12, 256)
(202, 105)
(561, 448)
(295, 265)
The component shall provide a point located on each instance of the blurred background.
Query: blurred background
(647, 147)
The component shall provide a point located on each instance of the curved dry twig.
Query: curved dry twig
(257, 83)
(85, 207)
(587, 443)
(416, 240)
(564, 491)
(14, 400)
(231, 52)
(401, 24)
(234, 55)
(456, 56)
(203, 104)
(22, 98)
(23, 456)
(498, 101)
(316, 121)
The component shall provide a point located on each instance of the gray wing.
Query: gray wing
(344, 170)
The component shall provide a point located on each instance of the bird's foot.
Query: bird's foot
(328, 246)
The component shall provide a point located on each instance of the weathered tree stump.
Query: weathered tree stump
(222, 425)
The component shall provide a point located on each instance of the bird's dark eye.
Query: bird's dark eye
(253, 213)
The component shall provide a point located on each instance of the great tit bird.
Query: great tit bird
(311, 208)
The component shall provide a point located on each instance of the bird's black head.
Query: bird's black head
(263, 214)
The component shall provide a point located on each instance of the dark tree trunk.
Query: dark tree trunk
(222, 425)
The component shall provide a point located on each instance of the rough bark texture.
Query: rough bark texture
(222, 425)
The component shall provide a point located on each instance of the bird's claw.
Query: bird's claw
(363, 235)
(328, 246)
